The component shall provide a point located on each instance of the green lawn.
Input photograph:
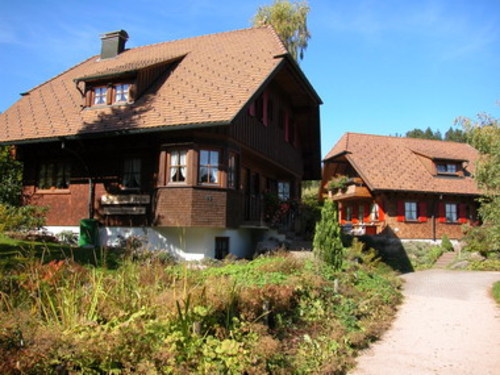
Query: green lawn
(496, 291)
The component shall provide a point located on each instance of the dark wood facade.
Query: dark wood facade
(263, 147)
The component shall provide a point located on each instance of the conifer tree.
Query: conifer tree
(327, 242)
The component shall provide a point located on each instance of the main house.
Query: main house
(402, 187)
(176, 142)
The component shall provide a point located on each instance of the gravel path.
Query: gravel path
(448, 325)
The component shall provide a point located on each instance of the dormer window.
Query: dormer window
(121, 92)
(100, 95)
(109, 94)
(446, 168)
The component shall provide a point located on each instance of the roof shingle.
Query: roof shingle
(393, 163)
(217, 76)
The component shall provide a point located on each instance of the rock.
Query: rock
(460, 265)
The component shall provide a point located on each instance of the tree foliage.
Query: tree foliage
(290, 22)
(454, 135)
(10, 177)
(484, 134)
(327, 241)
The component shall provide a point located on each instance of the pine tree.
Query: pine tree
(327, 242)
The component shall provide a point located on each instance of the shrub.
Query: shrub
(446, 244)
(422, 255)
(496, 291)
(24, 218)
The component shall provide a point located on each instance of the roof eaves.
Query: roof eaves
(297, 70)
(424, 192)
(257, 92)
(359, 171)
(111, 133)
(345, 152)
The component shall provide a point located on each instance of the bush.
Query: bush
(446, 244)
(422, 255)
(275, 314)
(24, 218)
(496, 291)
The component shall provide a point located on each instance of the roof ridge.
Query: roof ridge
(198, 37)
(410, 138)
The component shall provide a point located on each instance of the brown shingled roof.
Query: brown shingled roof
(217, 75)
(394, 163)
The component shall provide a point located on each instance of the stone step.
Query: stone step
(444, 260)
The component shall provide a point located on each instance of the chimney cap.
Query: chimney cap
(113, 34)
(113, 43)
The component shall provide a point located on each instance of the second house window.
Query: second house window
(178, 166)
(209, 167)
(131, 173)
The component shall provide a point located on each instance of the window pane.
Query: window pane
(451, 212)
(121, 93)
(452, 168)
(410, 210)
(132, 173)
(204, 157)
(100, 95)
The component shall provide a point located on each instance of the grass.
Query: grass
(275, 314)
(496, 291)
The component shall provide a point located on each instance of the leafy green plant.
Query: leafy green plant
(337, 183)
(446, 244)
(24, 218)
(496, 291)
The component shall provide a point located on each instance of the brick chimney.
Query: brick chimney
(113, 43)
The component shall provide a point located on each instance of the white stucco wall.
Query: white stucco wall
(185, 243)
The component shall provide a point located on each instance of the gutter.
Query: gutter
(91, 135)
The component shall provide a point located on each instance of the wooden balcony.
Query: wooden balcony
(351, 192)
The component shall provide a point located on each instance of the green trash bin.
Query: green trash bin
(89, 233)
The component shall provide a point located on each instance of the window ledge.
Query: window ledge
(102, 106)
(53, 191)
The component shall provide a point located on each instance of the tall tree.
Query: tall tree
(484, 134)
(290, 22)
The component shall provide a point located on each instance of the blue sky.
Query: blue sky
(381, 67)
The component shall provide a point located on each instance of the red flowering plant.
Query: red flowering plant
(277, 210)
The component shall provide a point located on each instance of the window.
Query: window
(410, 211)
(209, 167)
(131, 173)
(451, 212)
(100, 95)
(374, 212)
(221, 247)
(361, 213)
(121, 93)
(54, 175)
(348, 213)
(178, 166)
(446, 168)
(232, 171)
(284, 190)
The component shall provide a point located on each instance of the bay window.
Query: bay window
(178, 166)
(208, 172)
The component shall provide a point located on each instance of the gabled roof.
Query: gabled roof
(216, 76)
(394, 163)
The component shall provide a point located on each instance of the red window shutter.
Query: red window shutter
(441, 213)
(462, 213)
(251, 109)
(401, 211)
(355, 212)
(265, 100)
(422, 212)
(366, 219)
